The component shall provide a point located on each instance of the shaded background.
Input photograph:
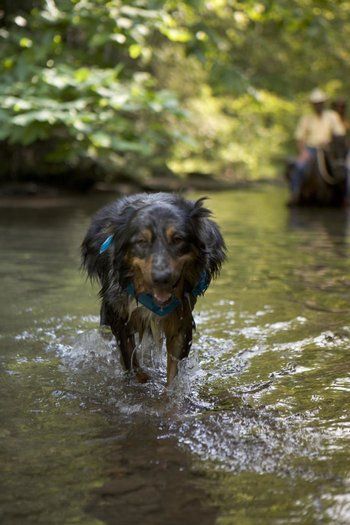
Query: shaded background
(95, 91)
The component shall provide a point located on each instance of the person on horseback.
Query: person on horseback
(314, 130)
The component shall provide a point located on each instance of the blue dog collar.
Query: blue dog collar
(106, 244)
(202, 285)
(147, 300)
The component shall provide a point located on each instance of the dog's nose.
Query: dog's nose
(162, 276)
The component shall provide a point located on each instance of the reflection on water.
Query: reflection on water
(256, 428)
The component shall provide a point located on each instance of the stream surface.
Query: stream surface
(256, 429)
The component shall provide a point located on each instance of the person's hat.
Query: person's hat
(317, 95)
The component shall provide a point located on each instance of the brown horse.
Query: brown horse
(324, 183)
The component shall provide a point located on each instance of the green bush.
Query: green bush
(76, 80)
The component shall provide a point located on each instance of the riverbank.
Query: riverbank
(193, 182)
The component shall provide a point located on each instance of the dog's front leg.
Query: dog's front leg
(178, 343)
(125, 338)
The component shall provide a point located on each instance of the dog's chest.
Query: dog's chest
(144, 320)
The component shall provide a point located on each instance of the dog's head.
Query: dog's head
(164, 243)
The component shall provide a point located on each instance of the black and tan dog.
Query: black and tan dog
(153, 254)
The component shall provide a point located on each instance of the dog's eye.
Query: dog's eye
(141, 242)
(176, 239)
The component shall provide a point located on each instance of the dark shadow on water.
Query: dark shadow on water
(331, 222)
(150, 481)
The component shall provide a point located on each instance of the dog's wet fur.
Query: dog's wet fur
(162, 244)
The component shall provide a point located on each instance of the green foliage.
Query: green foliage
(77, 78)
(235, 137)
(136, 86)
(258, 62)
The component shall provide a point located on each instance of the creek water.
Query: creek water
(256, 429)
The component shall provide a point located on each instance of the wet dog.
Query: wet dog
(153, 254)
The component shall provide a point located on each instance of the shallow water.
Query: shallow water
(256, 429)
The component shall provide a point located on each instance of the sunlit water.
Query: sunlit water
(256, 429)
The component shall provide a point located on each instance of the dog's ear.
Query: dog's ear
(208, 238)
(106, 227)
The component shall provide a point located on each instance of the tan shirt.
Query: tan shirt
(318, 130)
